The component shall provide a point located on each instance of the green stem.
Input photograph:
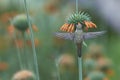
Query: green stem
(58, 71)
(24, 56)
(80, 67)
(79, 53)
(27, 56)
(77, 6)
(19, 54)
(32, 40)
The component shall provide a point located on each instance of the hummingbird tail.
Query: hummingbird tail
(79, 49)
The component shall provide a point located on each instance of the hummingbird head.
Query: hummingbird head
(79, 26)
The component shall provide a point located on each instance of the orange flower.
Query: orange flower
(12, 14)
(10, 29)
(67, 27)
(106, 78)
(71, 28)
(58, 41)
(110, 72)
(34, 29)
(51, 8)
(90, 24)
(36, 42)
(63, 28)
(3, 66)
(6, 16)
(19, 43)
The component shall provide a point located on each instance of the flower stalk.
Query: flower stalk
(32, 40)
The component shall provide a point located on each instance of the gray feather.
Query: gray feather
(68, 36)
(90, 35)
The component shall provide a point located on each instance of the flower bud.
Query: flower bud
(20, 22)
(23, 75)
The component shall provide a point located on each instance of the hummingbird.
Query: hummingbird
(78, 36)
(74, 31)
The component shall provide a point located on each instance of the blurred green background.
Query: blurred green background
(48, 16)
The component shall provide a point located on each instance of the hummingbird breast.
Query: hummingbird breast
(78, 38)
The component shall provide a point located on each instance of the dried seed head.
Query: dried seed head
(66, 59)
(66, 62)
(96, 76)
(105, 65)
(20, 22)
(96, 50)
(90, 65)
(23, 75)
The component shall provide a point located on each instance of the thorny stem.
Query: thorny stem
(32, 40)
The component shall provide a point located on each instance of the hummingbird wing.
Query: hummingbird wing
(89, 35)
(68, 36)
